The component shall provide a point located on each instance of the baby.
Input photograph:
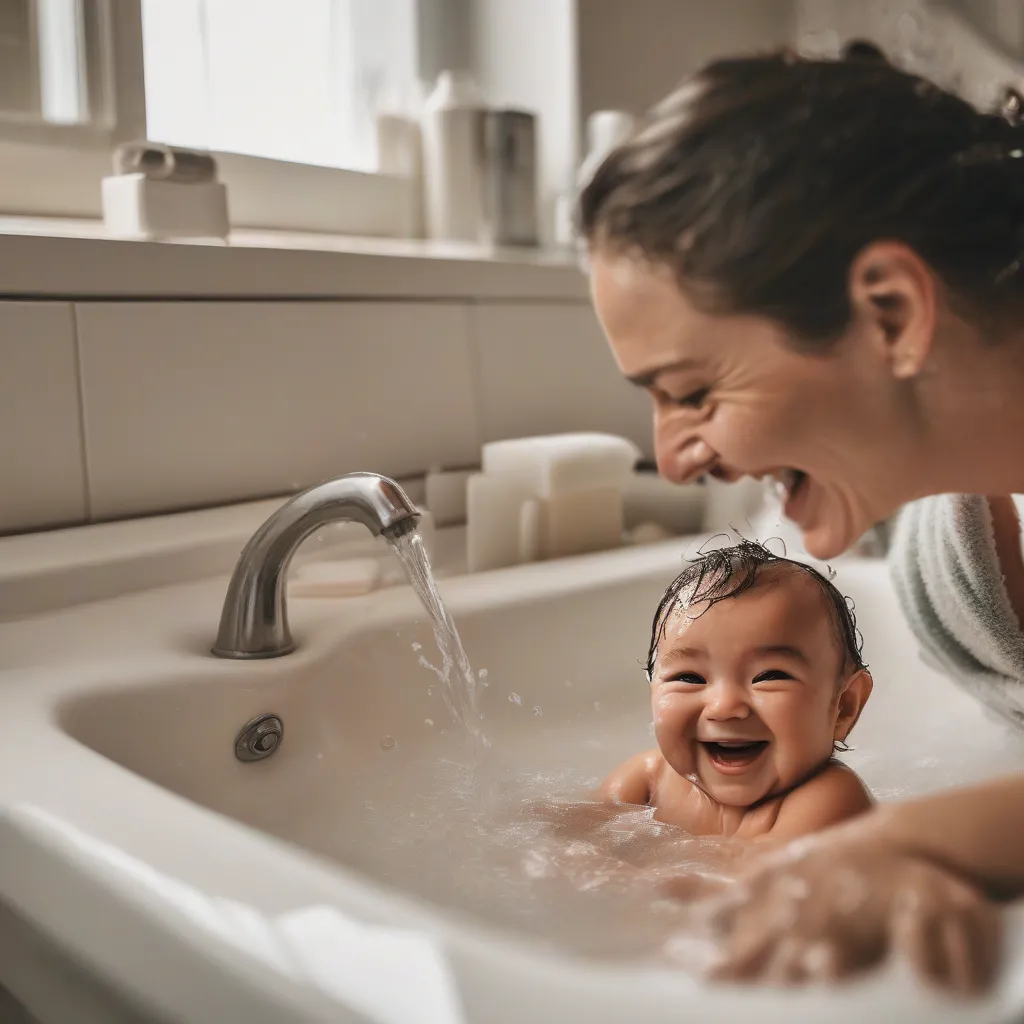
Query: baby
(756, 679)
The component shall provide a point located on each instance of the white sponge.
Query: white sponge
(556, 464)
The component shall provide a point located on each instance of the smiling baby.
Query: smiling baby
(756, 680)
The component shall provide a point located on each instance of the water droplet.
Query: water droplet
(597, 705)
(388, 743)
(417, 646)
(319, 538)
(1016, 153)
(537, 711)
(650, 729)
(431, 691)
(482, 676)
(428, 721)
(515, 698)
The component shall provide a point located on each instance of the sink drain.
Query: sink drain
(260, 738)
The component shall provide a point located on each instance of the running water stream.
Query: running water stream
(458, 684)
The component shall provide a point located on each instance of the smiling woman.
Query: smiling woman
(816, 268)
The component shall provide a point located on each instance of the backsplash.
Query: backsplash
(118, 409)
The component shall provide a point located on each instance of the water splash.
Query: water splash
(458, 683)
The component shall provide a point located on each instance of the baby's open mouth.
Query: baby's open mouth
(734, 754)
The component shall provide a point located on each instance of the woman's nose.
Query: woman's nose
(681, 456)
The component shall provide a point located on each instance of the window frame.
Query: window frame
(52, 170)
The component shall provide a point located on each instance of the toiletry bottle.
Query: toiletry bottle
(400, 151)
(605, 130)
(453, 189)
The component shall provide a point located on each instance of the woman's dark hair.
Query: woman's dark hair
(720, 573)
(761, 179)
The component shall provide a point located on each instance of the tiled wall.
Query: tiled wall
(117, 409)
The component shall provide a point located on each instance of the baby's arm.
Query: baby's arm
(631, 782)
(830, 797)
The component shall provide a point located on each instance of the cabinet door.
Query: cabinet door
(200, 403)
(547, 369)
(42, 479)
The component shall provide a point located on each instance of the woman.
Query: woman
(815, 269)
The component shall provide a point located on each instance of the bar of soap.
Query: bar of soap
(348, 578)
(556, 464)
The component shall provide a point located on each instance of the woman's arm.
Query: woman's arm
(976, 831)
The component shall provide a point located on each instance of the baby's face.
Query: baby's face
(745, 694)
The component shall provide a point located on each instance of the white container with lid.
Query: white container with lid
(605, 130)
(452, 167)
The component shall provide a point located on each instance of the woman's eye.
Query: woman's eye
(688, 677)
(771, 674)
(694, 400)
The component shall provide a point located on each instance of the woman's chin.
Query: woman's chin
(821, 544)
(829, 536)
(827, 523)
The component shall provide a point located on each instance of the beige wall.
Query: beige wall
(633, 52)
(525, 56)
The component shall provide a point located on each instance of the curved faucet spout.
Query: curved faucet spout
(254, 622)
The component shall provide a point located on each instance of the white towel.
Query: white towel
(947, 576)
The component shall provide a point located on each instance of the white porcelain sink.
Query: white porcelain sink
(370, 869)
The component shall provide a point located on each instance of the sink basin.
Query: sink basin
(375, 805)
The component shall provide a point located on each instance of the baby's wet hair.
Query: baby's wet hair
(720, 573)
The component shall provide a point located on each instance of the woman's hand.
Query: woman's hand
(829, 907)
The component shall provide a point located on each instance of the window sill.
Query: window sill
(76, 260)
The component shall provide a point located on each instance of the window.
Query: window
(283, 92)
(242, 77)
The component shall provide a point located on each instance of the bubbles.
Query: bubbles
(416, 646)
(650, 729)
(429, 722)
(597, 705)
(482, 677)
(388, 743)
(537, 711)
(431, 691)
(514, 698)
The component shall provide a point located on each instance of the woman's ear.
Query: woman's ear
(892, 291)
(852, 698)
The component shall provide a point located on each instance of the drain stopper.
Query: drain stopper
(259, 738)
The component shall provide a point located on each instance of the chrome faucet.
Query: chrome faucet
(254, 621)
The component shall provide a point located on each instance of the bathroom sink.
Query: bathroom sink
(377, 809)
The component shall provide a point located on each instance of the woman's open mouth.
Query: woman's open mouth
(793, 485)
(731, 757)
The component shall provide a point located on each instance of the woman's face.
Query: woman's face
(733, 397)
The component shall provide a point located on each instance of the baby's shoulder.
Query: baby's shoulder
(833, 795)
(635, 780)
(843, 782)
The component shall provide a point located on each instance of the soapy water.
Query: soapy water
(458, 684)
(517, 841)
(530, 851)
